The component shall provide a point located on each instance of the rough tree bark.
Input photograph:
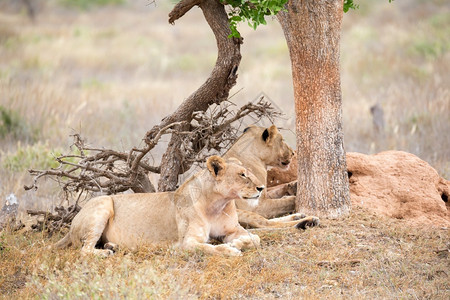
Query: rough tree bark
(312, 31)
(214, 90)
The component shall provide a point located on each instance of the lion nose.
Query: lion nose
(260, 188)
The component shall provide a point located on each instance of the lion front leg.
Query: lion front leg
(196, 236)
(242, 239)
(298, 220)
(253, 220)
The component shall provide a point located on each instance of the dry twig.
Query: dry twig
(52, 222)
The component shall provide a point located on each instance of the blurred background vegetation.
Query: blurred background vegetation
(111, 69)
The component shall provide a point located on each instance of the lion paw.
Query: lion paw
(111, 246)
(308, 222)
(246, 242)
(98, 252)
(228, 250)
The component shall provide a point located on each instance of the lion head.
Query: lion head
(269, 145)
(232, 180)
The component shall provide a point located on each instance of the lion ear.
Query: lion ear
(216, 165)
(269, 134)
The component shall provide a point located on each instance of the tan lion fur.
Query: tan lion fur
(201, 208)
(257, 148)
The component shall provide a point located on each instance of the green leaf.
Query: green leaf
(348, 4)
(253, 12)
(236, 18)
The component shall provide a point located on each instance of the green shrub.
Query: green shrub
(12, 124)
(37, 156)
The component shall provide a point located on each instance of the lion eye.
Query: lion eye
(242, 174)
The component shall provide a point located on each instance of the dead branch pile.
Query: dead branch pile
(107, 171)
(52, 222)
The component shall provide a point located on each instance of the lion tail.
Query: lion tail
(66, 241)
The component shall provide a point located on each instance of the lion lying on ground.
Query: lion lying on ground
(258, 148)
(201, 208)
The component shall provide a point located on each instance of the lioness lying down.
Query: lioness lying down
(201, 208)
(257, 148)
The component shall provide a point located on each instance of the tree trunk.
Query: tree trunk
(312, 31)
(214, 90)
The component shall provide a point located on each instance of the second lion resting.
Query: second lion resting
(201, 208)
(257, 148)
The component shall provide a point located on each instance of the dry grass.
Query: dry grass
(362, 257)
(111, 73)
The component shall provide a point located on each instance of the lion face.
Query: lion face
(270, 146)
(233, 180)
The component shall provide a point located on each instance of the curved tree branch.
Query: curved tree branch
(181, 8)
(215, 90)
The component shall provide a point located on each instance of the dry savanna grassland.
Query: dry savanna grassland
(111, 71)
